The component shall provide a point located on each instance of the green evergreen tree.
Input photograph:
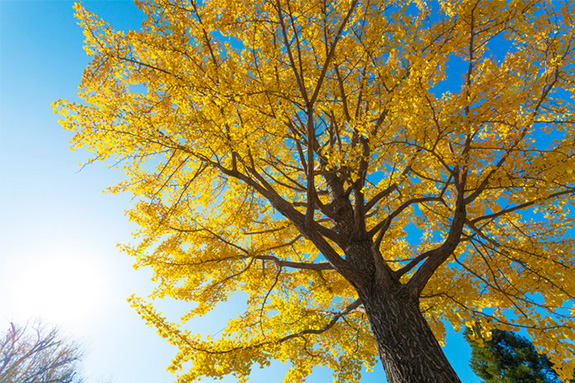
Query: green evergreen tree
(509, 358)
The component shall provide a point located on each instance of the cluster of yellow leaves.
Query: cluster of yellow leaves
(206, 94)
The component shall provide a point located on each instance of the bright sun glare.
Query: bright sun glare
(58, 286)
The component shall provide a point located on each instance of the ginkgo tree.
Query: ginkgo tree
(364, 171)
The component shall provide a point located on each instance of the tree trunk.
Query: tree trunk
(407, 347)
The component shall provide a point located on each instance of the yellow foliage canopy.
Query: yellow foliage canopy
(265, 139)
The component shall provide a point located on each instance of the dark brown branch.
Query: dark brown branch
(323, 266)
(298, 76)
(311, 195)
(329, 57)
(521, 206)
(331, 323)
(349, 309)
(296, 265)
(315, 233)
(436, 257)
(384, 225)
(265, 231)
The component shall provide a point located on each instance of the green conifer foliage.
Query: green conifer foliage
(509, 358)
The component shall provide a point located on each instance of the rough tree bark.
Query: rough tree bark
(408, 349)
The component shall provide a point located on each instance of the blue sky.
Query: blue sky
(58, 231)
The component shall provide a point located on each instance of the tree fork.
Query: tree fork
(408, 349)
